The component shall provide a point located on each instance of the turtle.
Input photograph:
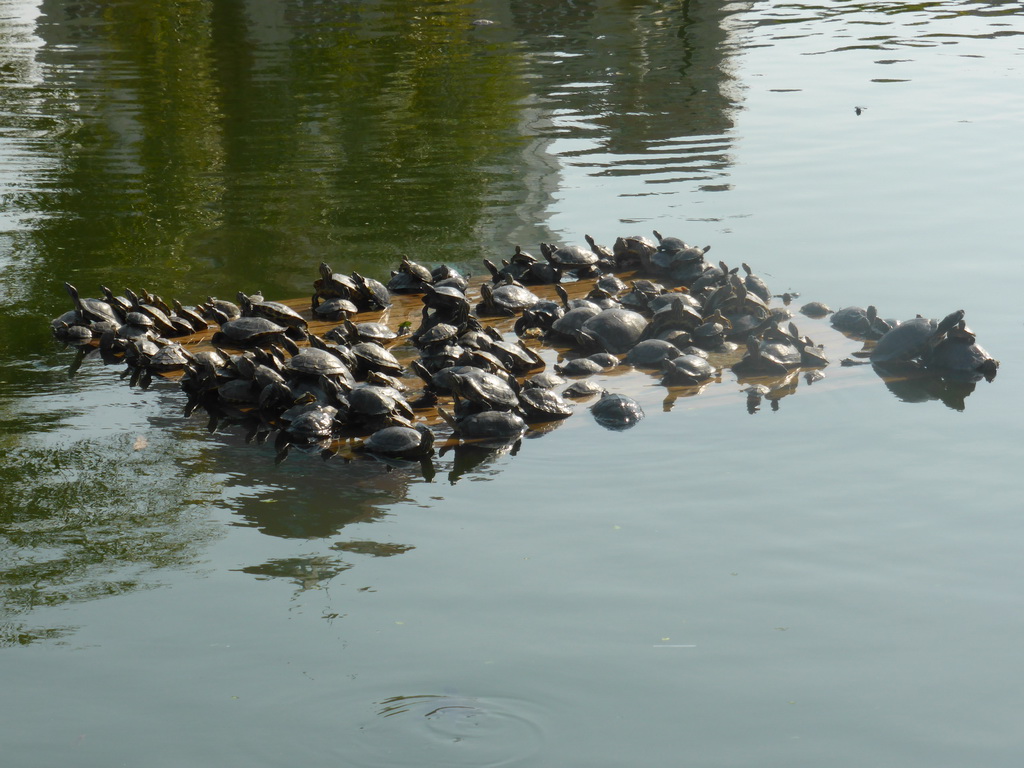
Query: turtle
(815, 310)
(170, 357)
(282, 314)
(334, 285)
(91, 311)
(582, 389)
(544, 379)
(581, 261)
(579, 367)
(312, 362)
(617, 412)
(503, 426)
(191, 315)
(543, 404)
(517, 358)
(121, 305)
(605, 256)
(252, 332)
(400, 442)
(610, 284)
(612, 330)
(686, 371)
(374, 407)
(505, 299)
(161, 321)
(370, 294)
(332, 310)
(651, 353)
(478, 390)
(314, 424)
(755, 284)
(568, 325)
(447, 299)
(539, 317)
(674, 258)
(767, 359)
(375, 332)
(415, 270)
(219, 310)
(851, 320)
(71, 333)
(449, 276)
(904, 343)
(958, 352)
(371, 356)
(633, 253)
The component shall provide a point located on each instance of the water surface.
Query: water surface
(832, 582)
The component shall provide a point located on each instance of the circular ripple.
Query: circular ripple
(449, 730)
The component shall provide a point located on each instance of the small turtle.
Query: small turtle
(617, 412)
(334, 285)
(505, 299)
(400, 442)
(767, 359)
(542, 404)
(572, 258)
(252, 332)
(314, 424)
(815, 310)
(580, 390)
(371, 356)
(579, 367)
(448, 276)
(275, 311)
(332, 310)
(633, 253)
(568, 325)
(504, 426)
(313, 363)
(91, 310)
(959, 352)
(478, 390)
(545, 380)
(375, 407)
(651, 353)
(370, 294)
(686, 371)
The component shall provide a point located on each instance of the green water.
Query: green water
(836, 582)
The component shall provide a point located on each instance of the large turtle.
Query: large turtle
(613, 330)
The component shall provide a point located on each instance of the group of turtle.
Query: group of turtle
(680, 316)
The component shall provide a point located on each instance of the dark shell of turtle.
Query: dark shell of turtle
(617, 412)
(401, 442)
(613, 330)
(540, 404)
(651, 353)
(686, 371)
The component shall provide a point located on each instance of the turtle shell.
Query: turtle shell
(613, 330)
(686, 371)
(617, 412)
(248, 330)
(401, 442)
(312, 361)
(541, 404)
(651, 353)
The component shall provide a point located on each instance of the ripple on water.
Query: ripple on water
(449, 730)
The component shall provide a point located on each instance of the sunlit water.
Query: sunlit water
(833, 583)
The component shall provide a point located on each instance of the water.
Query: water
(832, 583)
